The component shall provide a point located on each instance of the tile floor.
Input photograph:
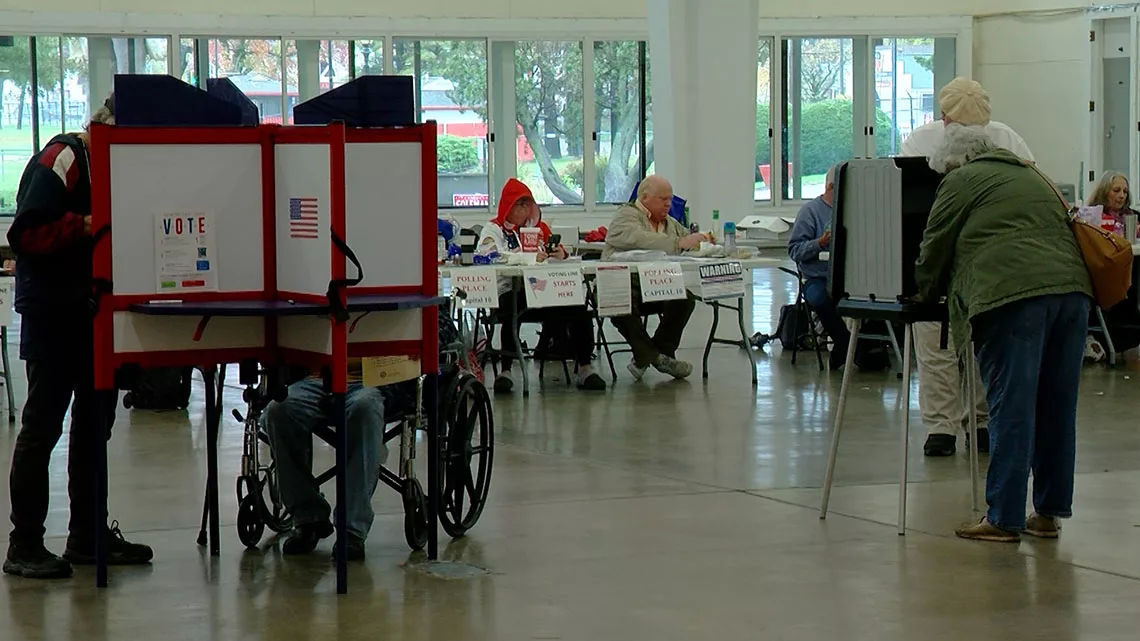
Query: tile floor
(656, 511)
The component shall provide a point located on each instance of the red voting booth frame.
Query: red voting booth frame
(269, 137)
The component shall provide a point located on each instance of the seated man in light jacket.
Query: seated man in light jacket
(645, 224)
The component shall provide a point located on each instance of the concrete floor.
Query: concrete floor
(657, 511)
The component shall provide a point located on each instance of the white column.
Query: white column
(100, 72)
(703, 56)
(308, 69)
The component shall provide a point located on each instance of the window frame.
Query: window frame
(177, 28)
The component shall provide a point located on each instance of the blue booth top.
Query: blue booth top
(166, 101)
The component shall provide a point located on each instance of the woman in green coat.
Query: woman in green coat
(999, 248)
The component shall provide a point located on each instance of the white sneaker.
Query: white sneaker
(1094, 352)
(673, 367)
(637, 372)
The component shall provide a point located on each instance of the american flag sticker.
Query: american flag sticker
(539, 284)
(303, 218)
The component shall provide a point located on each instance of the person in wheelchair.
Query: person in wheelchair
(290, 425)
(566, 330)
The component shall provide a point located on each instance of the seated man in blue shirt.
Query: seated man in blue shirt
(811, 235)
(290, 424)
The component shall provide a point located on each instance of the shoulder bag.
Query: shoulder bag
(1107, 255)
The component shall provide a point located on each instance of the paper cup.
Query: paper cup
(529, 239)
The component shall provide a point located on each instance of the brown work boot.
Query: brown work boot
(1043, 527)
(986, 531)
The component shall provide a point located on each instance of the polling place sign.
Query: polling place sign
(661, 281)
(479, 283)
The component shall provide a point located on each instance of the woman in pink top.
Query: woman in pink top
(1123, 320)
(1112, 193)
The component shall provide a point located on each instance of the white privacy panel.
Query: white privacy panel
(221, 181)
(384, 212)
(374, 327)
(145, 333)
(305, 333)
(303, 218)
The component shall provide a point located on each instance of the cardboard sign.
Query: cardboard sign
(479, 283)
(185, 254)
(529, 239)
(722, 280)
(614, 290)
(7, 287)
(385, 370)
(554, 287)
(661, 281)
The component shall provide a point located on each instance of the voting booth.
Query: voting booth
(219, 243)
(880, 213)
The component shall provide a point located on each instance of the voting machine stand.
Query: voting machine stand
(881, 209)
(286, 288)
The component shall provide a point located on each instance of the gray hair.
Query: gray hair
(652, 185)
(960, 145)
(105, 114)
(1104, 185)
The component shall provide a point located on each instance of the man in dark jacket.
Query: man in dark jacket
(51, 237)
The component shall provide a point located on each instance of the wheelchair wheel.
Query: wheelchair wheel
(415, 515)
(250, 527)
(468, 453)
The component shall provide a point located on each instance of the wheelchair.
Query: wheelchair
(466, 442)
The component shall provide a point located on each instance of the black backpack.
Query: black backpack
(166, 388)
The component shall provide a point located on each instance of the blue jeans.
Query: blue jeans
(290, 425)
(1030, 354)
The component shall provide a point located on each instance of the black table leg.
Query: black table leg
(712, 338)
(102, 415)
(744, 344)
(213, 419)
(431, 408)
(340, 420)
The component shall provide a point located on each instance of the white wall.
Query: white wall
(1036, 70)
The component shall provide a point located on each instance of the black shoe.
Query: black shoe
(304, 539)
(983, 440)
(119, 550)
(35, 562)
(354, 549)
(504, 384)
(593, 383)
(940, 445)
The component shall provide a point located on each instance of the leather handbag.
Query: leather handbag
(1107, 255)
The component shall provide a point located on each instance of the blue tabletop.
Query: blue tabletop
(372, 303)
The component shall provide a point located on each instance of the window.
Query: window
(548, 111)
(16, 130)
(313, 67)
(908, 73)
(451, 88)
(619, 121)
(91, 64)
(254, 66)
(367, 57)
(817, 123)
(763, 186)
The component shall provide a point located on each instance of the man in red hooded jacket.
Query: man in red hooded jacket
(502, 237)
